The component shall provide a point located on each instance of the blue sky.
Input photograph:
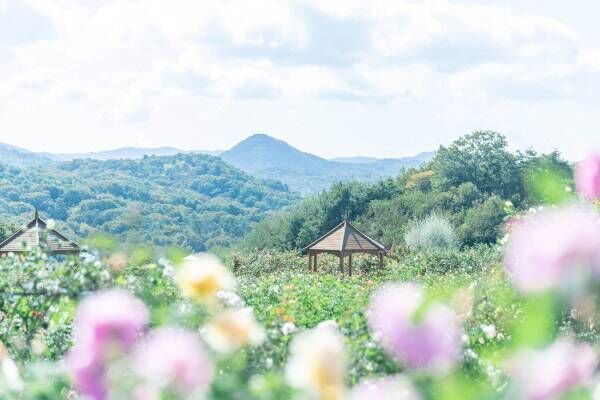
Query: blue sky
(336, 78)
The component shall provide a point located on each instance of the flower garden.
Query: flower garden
(515, 320)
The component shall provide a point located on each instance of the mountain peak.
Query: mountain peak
(262, 139)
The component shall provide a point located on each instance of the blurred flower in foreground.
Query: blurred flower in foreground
(389, 388)
(233, 329)
(117, 261)
(317, 363)
(174, 358)
(9, 372)
(203, 275)
(547, 374)
(432, 341)
(587, 177)
(554, 248)
(106, 324)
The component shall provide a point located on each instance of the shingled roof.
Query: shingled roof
(36, 234)
(345, 238)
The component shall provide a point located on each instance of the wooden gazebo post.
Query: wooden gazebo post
(312, 261)
(350, 264)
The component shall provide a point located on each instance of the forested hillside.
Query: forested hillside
(194, 201)
(474, 185)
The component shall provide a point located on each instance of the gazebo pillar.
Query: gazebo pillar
(350, 264)
(315, 263)
(342, 263)
(380, 260)
(310, 266)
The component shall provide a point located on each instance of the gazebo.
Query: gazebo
(343, 240)
(36, 234)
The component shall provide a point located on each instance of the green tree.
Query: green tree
(481, 158)
(483, 223)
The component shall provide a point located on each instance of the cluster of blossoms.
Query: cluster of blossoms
(111, 329)
(430, 341)
(557, 249)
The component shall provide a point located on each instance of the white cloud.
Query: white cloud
(122, 64)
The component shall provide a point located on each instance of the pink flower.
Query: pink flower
(388, 388)
(174, 358)
(432, 342)
(587, 177)
(547, 374)
(554, 248)
(106, 324)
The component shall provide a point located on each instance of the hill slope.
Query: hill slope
(266, 157)
(190, 200)
(259, 155)
(125, 153)
(14, 155)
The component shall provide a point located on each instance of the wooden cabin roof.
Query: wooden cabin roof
(36, 234)
(345, 237)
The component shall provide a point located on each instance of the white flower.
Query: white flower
(232, 330)
(230, 299)
(288, 328)
(330, 324)
(489, 331)
(202, 275)
(9, 372)
(317, 363)
(388, 388)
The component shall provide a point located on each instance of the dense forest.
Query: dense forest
(200, 202)
(193, 201)
(474, 184)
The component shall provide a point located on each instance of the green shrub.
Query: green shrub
(469, 261)
(433, 232)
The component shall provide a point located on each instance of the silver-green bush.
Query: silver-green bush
(433, 232)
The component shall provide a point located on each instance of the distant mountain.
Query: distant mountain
(190, 200)
(305, 173)
(17, 156)
(125, 153)
(122, 153)
(260, 155)
(355, 160)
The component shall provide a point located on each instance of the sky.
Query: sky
(335, 78)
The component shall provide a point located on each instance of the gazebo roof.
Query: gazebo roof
(345, 238)
(36, 234)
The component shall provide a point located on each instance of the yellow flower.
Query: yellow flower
(232, 330)
(318, 363)
(203, 275)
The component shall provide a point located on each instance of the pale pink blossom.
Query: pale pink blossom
(553, 248)
(388, 388)
(174, 358)
(107, 324)
(587, 177)
(431, 342)
(549, 373)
